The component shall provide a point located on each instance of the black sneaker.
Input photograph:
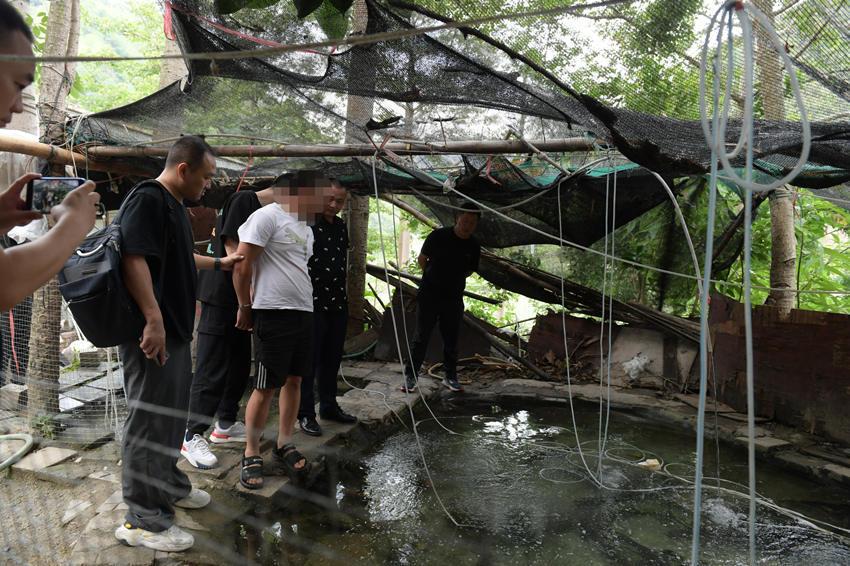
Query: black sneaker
(310, 426)
(453, 384)
(338, 415)
(409, 385)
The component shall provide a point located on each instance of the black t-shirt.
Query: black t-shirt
(155, 225)
(450, 260)
(328, 265)
(216, 287)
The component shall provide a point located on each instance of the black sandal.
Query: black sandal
(252, 468)
(286, 457)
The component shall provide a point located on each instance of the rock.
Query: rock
(838, 473)
(111, 502)
(44, 458)
(106, 476)
(105, 522)
(757, 431)
(183, 520)
(13, 397)
(767, 444)
(74, 509)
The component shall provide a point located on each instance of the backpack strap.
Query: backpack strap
(167, 208)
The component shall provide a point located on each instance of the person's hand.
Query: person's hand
(13, 210)
(78, 207)
(229, 261)
(153, 341)
(244, 321)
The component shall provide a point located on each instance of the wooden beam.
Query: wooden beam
(378, 271)
(61, 156)
(355, 150)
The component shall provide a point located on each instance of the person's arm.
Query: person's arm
(242, 275)
(137, 278)
(31, 265)
(474, 261)
(207, 262)
(230, 245)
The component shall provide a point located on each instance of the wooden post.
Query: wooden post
(63, 30)
(358, 112)
(783, 242)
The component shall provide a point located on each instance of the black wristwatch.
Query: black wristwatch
(217, 264)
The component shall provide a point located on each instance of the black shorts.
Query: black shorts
(283, 344)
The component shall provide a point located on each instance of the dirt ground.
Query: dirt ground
(32, 511)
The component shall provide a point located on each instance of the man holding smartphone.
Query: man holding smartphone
(31, 265)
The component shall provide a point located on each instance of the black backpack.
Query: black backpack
(92, 285)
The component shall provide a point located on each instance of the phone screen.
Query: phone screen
(45, 193)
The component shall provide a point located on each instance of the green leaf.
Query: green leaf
(342, 6)
(306, 7)
(332, 21)
(231, 6)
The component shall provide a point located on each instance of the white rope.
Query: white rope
(715, 135)
(398, 349)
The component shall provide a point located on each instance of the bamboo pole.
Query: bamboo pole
(355, 150)
(60, 156)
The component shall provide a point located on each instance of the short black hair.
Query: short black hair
(468, 207)
(190, 150)
(296, 179)
(11, 20)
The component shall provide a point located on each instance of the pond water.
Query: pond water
(514, 482)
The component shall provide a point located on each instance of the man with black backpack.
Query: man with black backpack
(159, 271)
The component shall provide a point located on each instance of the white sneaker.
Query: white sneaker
(197, 452)
(196, 499)
(173, 539)
(234, 433)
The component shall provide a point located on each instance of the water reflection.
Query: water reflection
(518, 480)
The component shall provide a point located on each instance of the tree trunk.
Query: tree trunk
(358, 112)
(63, 29)
(783, 243)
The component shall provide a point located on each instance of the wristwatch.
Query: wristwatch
(217, 264)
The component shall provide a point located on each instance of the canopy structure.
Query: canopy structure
(269, 113)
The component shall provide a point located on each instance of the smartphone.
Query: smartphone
(45, 193)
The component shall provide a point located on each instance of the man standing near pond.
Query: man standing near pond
(449, 255)
(328, 269)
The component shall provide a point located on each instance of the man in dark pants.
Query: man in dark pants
(159, 270)
(449, 255)
(330, 314)
(223, 351)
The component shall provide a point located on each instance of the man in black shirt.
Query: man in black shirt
(330, 314)
(449, 255)
(159, 270)
(223, 351)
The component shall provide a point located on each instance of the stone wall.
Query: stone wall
(802, 375)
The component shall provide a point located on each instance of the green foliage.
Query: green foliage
(44, 425)
(131, 28)
(231, 6)
(333, 22)
(823, 241)
(306, 7)
(267, 111)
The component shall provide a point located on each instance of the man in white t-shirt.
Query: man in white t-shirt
(276, 300)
